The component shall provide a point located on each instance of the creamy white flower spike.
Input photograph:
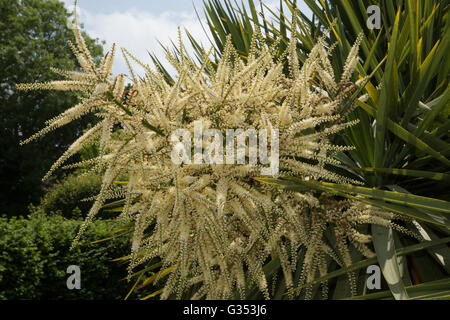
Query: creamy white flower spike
(213, 225)
(232, 148)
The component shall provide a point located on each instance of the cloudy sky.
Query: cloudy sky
(138, 24)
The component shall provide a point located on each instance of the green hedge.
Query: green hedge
(34, 256)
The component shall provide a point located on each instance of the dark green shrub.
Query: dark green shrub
(65, 198)
(34, 256)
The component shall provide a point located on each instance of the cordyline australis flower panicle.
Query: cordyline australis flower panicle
(213, 226)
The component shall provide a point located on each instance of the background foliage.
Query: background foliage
(34, 250)
(34, 256)
(66, 197)
(33, 38)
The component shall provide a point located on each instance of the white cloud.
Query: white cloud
(139, 32)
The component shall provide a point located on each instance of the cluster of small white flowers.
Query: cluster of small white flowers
(214, 225)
